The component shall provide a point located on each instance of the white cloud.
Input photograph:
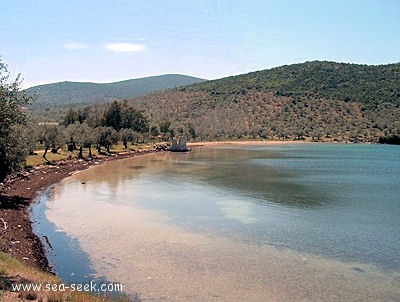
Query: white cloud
(75, 46)
(125, 47)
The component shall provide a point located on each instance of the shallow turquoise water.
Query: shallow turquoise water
(337, 201)
(340, 201)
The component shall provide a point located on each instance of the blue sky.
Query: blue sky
(105, 41)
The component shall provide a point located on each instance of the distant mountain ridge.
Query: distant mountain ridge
(70, 93)
(318, 100)
(367, 84)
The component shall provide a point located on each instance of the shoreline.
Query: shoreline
(19, 192)
(157, 259)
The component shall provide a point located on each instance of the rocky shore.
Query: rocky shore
(18, 192)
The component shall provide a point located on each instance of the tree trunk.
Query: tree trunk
(125, 145)
(45, 152)
(70, 146)
(55, 149)
(80, 155)
(90, 151)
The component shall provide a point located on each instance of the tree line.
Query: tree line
(253, 114)
(99, 126)
(255, 106)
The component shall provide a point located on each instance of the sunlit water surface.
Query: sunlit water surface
(255, 222)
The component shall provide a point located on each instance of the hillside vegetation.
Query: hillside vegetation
(75, 93)
(316, 100)
(319, 101)
(366, 84)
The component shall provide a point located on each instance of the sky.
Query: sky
(51, 41)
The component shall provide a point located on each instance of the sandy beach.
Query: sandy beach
(18, 193)
(171, 263)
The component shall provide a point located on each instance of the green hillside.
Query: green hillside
(316, 100)
(369, 85)
(68, 93)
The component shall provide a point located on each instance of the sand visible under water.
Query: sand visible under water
(150, 256)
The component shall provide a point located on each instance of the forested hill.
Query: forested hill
(316, 100)
(68, 93)
(367, 84)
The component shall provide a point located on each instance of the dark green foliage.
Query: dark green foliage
(316, 100)
(88, 137)
(192, 131)
(14, 135)
(390, 139)
(164, 126)
(70, 117)
(121, 115)
(133, 119)
(68, 93)
(106, 137)
(262, 114)
(112, 116)
(52, 137)
(154, 131)
(72, 133)
(165, 129)
(73, 116)
(101, 124)
(369, 85)
(126, 136)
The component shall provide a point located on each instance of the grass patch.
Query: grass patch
(63, 154)
(35, 160)
(118, 148)
(12, 272)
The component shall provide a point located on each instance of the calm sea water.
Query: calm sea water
(340, 202)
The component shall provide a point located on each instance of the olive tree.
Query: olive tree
(88, 138)
(52, 137)
(106, 137)
(127, 135)
(14, 135)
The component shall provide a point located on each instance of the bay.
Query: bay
(236, 219)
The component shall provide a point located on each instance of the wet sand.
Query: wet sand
(150, 256)
(17, 194)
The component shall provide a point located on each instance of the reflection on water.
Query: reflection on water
(236, 209)
(206, 214)
(63, 253)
